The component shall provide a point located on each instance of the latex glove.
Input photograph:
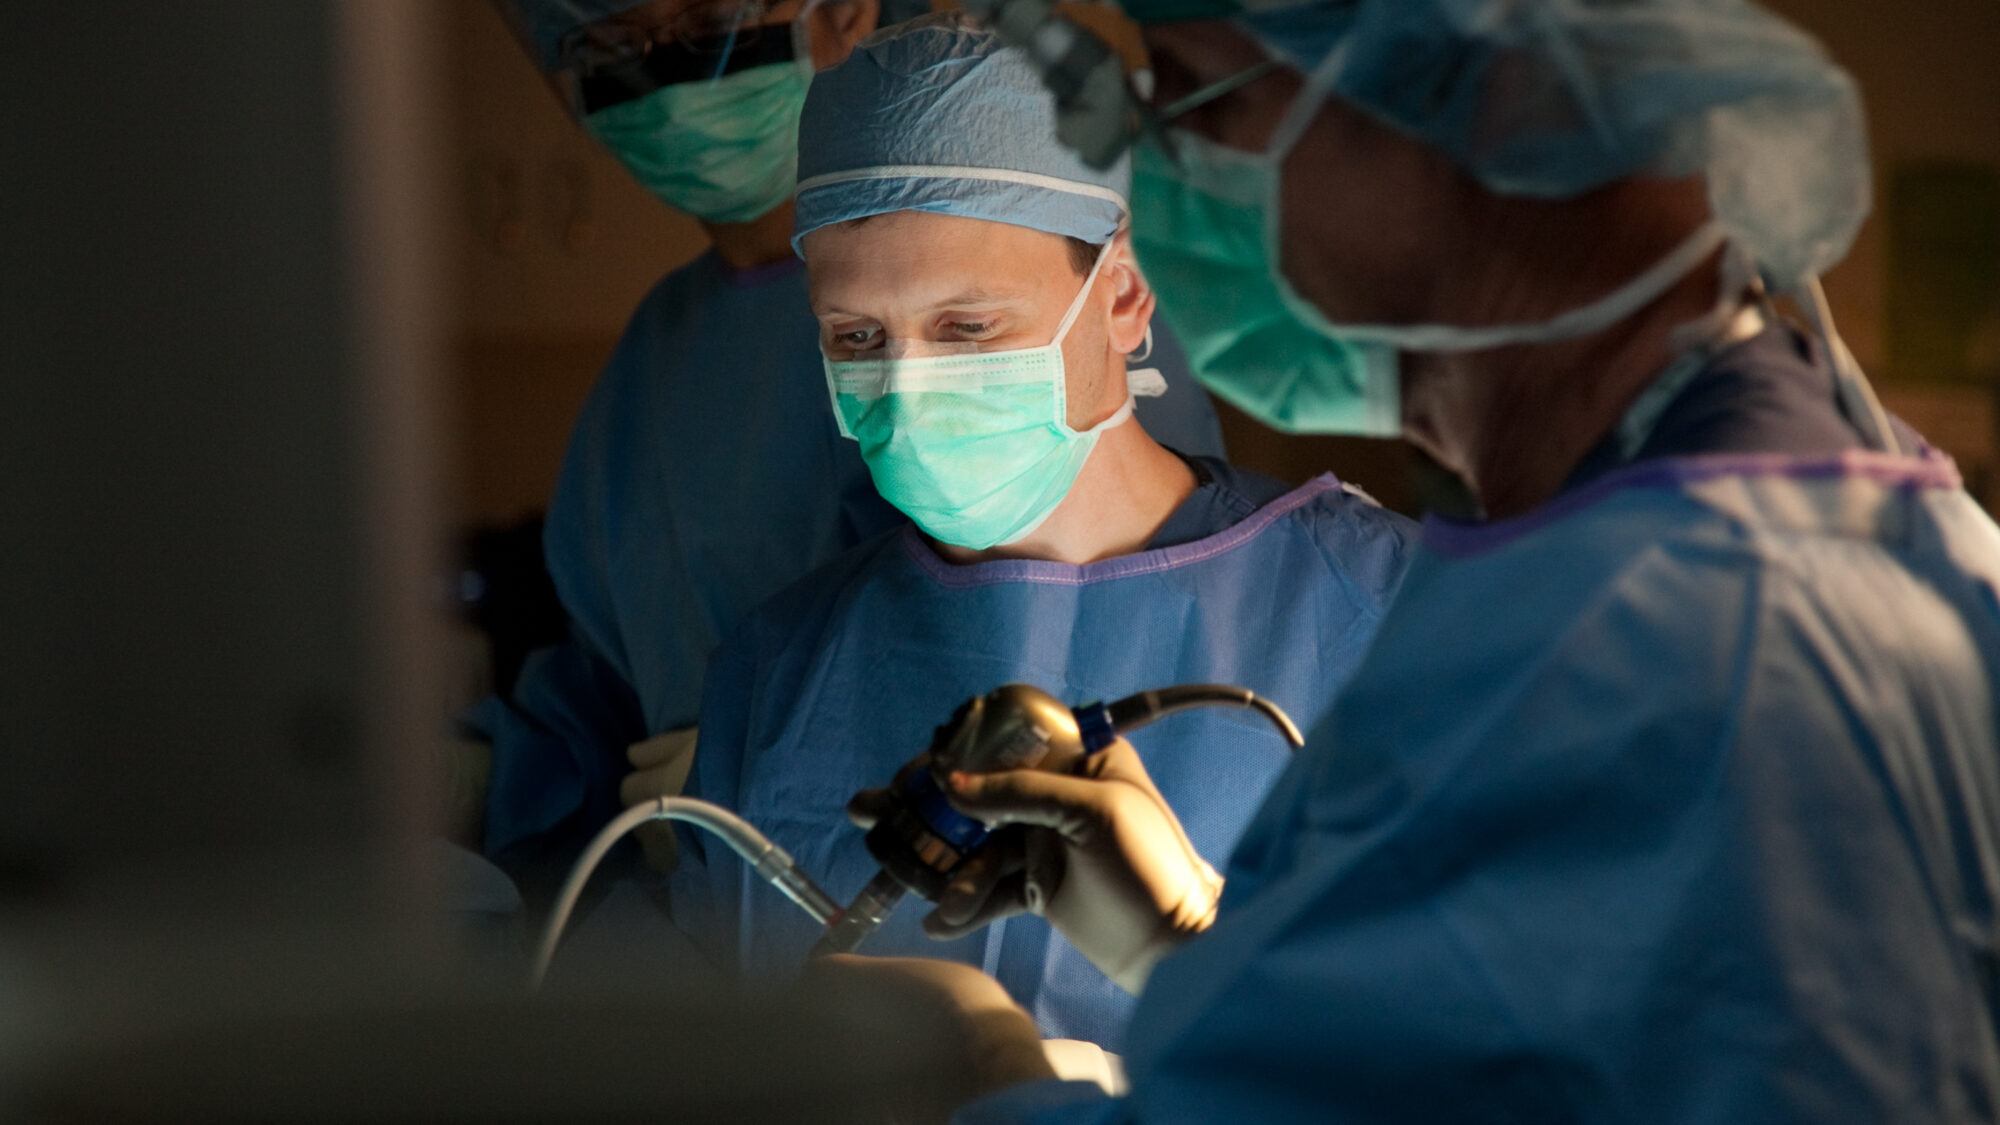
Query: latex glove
(990, 1041)
(1079, 1060)
(1099, 854)
(660, 767)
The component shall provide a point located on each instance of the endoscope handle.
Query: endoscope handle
(928, 801)
(924, 797)
(1094, 723)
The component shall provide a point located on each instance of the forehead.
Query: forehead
(911, 250)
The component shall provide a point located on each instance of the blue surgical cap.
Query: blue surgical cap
(1554, 98)
(936, 115)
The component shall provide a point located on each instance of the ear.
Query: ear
(837, 25)
(1131, 297)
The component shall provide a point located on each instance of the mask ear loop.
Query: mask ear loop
(1299, 115)
(1124, 413)
(1736, 316)
(1857, 395)
(1215, 90)
(801, 36)
(1582, 320)
(729, 44)
(1738, 291)
(1089, 282)
(1145, 351)
(1144, 382)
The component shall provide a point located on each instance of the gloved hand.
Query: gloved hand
(660, 767)
(1079, 1060)
(989, 1041)
(1099, 854)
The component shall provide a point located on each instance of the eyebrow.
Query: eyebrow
(975, 297)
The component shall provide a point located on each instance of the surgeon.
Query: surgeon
(1670, 789)
(977, 303)
(705, 471)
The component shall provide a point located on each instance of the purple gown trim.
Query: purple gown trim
(1928, 469)
(999, 571)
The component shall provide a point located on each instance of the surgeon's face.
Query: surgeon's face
(1363, 210)
(913, 283)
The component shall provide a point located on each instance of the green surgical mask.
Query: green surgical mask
(975, 447)
(1201, 228)
(1206, 227)
(725, 150)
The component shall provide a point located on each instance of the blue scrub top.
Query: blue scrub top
(1677, 799)
(704, 474)
(834, 684)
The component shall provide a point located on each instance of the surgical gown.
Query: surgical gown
(836, 683)
(1676, 800)
(704, 474)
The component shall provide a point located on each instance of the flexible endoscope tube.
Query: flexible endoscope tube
(770, 861)
(1137, 710)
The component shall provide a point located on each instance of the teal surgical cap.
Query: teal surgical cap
(1554, 98)
(937, 115)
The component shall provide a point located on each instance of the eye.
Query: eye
(859, 339)
(970, 328)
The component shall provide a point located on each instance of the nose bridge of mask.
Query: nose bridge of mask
(923, 366)
(922, 349)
